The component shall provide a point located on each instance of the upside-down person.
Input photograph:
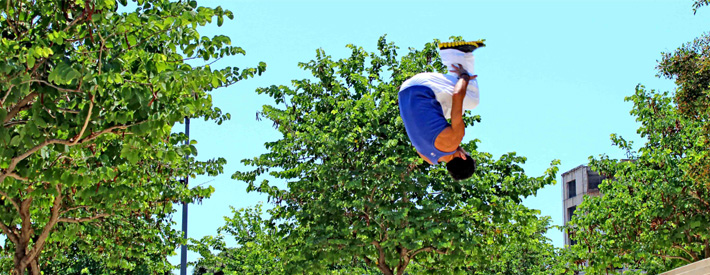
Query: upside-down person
(427, 100)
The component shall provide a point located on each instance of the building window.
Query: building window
(571, 189)
(570, 212)
(594, 182)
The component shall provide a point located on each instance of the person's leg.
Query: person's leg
(459, 53)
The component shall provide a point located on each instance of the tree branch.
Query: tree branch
(692, 255)
(673, 257)
(382, 261)
(10, 235)
(16, 176)
(86, 121)
(73, 22)
(18, 107)
(54, 86)
(9, 22)
(14, 203)
(428, 249)
(74, 208)
(17, 159)
(68, 110)
(141, 83)
(87, 219)
(403, 260)
(39, 243)
(16, 122)
(367, 260)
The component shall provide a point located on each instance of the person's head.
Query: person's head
(460, 168)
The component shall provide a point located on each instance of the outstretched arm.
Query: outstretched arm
(457, 124)
(450, 138)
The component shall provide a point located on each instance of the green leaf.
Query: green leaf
(30, 61)
(15, 140)
(132, 40)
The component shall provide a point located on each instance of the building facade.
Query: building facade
(577, 183)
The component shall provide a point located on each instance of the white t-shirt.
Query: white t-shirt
(443, 87)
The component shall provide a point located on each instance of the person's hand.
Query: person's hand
(461, 72)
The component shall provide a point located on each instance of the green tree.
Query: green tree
(523, 249)
(89, 93)
(256, 252)
(356, 188)
(515, 249)
(655, 211)
(140, 256)
(258, 249)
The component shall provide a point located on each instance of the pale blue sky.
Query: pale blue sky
(552, 77)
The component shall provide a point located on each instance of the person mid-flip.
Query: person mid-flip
(427, 100)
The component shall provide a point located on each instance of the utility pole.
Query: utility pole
(183, 248)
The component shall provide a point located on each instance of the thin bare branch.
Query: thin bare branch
(16, 176)
(673, 257)
(14, 203)
(8, 232)
(141, 83)
(74, 208)
(72, 23)
(19, 106)
(692, 255)
(210, 64)
(182, 60)
(87, 219)
(86, 121)
(17, 159)
(15, 122)
(101, 50)
(9, 90)
(9, 22)
(54, 86)
(68, 110)
(428, 249)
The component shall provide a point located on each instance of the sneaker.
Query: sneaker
(463, 46)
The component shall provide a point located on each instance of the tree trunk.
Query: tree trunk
(401, 268)
(381, 261)
(18, 269)
(34, 267)
(385, 269)
(27, 260)
(23, 242)
(403, 261)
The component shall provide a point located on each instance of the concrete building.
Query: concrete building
(696, 268)
(577, 183)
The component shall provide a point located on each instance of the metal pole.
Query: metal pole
(183, 248)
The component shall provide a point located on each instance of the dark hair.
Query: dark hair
(461, 169)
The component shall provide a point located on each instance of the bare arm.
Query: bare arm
(450, 138)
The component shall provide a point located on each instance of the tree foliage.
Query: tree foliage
(256, 252)
(356, 188)
(655, 211)
(700, 3)
(259, 250)
(89, 92)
